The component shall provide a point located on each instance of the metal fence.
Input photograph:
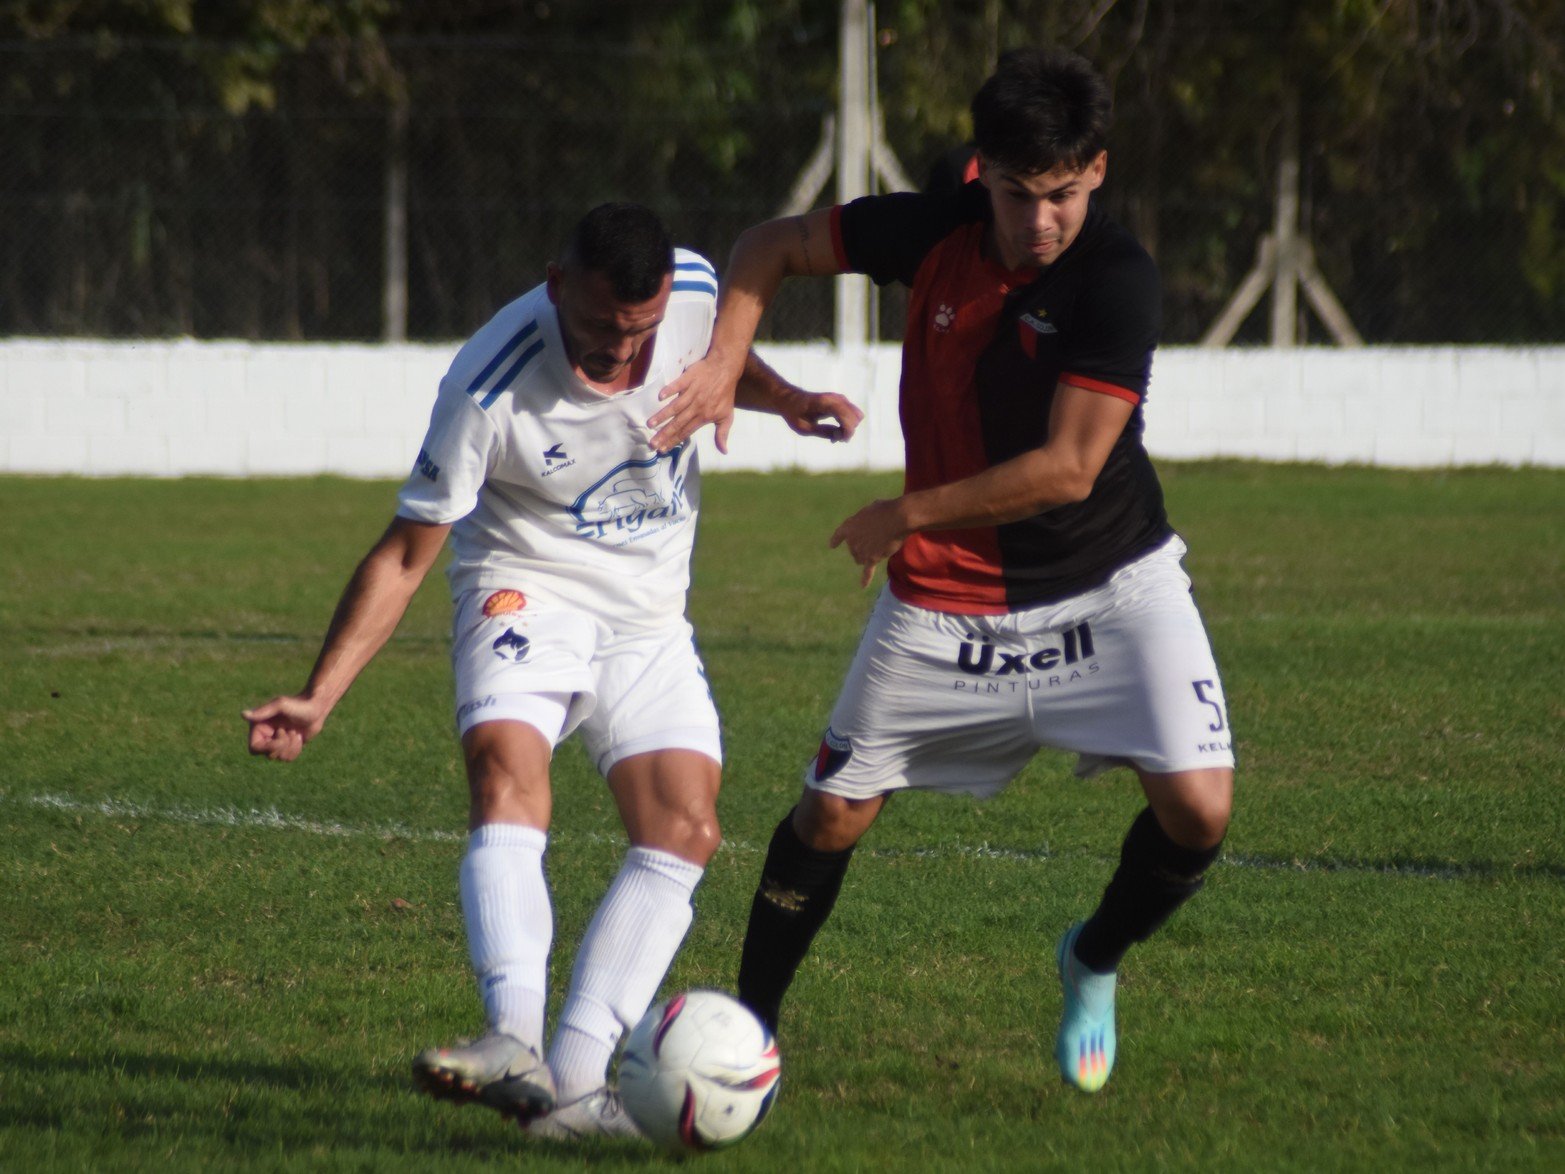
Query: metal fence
(140, 198)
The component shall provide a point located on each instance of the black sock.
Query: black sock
(1155, 877)
(798, 888)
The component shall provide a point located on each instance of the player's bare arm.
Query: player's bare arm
(761, 389)
(371, 606)
(1083, 426)
(793, 246)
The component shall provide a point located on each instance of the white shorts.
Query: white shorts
(1122, 675)
(558, 669)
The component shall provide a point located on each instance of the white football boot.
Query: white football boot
(499, 1071)
(598, 1114)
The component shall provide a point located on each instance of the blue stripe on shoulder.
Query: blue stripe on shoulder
(697, 266)
(517, 339)
(506, 380)
(698, 286)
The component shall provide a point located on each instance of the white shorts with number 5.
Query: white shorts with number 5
(1122, 675)
(557, 669)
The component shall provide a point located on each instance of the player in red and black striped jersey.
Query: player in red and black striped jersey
(1036, 596)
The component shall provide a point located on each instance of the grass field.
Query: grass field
(208, 961)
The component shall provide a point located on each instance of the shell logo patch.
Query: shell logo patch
(503, 603)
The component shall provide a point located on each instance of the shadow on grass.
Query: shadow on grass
(261, 1105)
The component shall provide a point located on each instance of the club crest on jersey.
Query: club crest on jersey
(1029, 326)
(503, 603)
(511, 646)
(1039, 320)
(833, 755)
(634, 497)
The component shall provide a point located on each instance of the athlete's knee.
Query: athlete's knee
(504, 785)
(1209, 811)
(690, 832)
(702, 837)
(832, 823)
(1194, 809)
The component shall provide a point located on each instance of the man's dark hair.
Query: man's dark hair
(628, 244)
(1041, 109)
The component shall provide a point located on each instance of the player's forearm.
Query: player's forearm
(1016, 489)
(371, 606)
(761, 389)
(756, 268)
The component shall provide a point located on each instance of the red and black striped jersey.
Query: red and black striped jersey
(983, 352)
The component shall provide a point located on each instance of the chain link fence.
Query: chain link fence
(141, 198)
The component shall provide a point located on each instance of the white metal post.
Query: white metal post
(853, 159)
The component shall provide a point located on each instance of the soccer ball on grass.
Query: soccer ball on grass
(699, 1072)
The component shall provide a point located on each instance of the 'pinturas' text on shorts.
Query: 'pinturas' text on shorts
(558, 669)
(1122, 675)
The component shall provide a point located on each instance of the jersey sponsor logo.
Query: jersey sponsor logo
(556, 460)
(426, 466)
(833, 755)
(503, 603)
(632, 498)
(945, 317)
(474, 706)
(1040, 668)
(512, 646)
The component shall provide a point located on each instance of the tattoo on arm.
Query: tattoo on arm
(804, 244)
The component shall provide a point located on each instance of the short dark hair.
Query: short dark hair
(628, 244)
(1042, 109)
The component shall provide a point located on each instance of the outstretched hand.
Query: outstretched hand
(280, 728)
(808, 413)
(702, 395)
(875, 533)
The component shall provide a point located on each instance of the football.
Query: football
(699, 1072)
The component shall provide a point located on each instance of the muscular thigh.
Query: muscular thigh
(652, 694)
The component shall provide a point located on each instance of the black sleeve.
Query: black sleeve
(888, 237)
(1117, 321)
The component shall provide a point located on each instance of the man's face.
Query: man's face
(603, 335)
(1036, 217)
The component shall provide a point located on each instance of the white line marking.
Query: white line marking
(271, 819)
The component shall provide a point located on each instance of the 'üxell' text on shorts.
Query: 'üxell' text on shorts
(559, 669)
(1122, 675)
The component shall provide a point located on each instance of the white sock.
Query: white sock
(624, 955)
(505, 903)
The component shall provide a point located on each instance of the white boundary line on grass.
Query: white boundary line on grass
(264, 818)
(271, 819)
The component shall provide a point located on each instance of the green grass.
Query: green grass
(208, 961)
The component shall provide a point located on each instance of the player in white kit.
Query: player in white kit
(572, 540)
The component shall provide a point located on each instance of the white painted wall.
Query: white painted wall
(238, 409)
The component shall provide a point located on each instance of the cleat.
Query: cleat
(1086, 1044)
(598, 1114)
(499, 1071)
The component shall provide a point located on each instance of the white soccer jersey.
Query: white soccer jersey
(554, 488)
